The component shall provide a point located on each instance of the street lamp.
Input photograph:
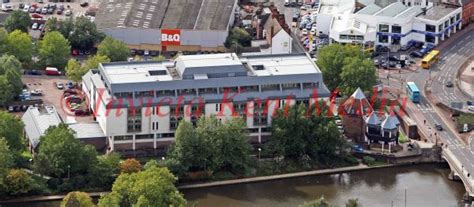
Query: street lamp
(68, 171)
(259, 150)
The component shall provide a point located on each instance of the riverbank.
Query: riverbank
(359, 167)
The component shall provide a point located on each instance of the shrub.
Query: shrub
(368, 160)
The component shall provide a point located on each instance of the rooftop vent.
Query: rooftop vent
(259, 67)
(157, 72)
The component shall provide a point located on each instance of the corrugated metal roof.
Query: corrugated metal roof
(87, 130)
(392, 10)
(37, 121)
(370, 9)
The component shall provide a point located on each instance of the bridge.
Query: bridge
(461, 166)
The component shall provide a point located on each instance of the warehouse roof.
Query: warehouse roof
(175, 14)
(438, 12)
(87, 130)
(392, 10)
(38, 120)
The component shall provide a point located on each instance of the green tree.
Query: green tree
(20, 46)
(234, 146)
(77, 199)
(5, 164)
(6, 94)
(151, 163)
(116, 50)
(18, 182)
(331, 60)
(3, 41)
(357, 73)
(11, 128)
(54, 50)
(10, 68)
(151, 187)
(353, 202)
(130, 166)
(83, 35)
(94, 61)
(321, 202)
(52, 24)
(18, 20)
(103, 173)
(74, 70)
(58, 152)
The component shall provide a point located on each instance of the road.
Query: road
(451, 60)
(289, 12)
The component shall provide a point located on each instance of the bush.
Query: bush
(368, 160)
(222, 175)
(351, 160)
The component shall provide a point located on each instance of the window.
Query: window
(343, 37)
(174, 122)
(240, 108)
(311, 85)
(430, 28)
(440, 28)
(123, 95)
(164, 135)
(207, 91)
(176, 111)
(144, 136)
(305, 102)
(229, 89)
(165, 93)
(396, 40)
(430, 38)
(144, 94)
(134, 120)
(458, 16)
(260, 119)
(383, 28)
(191, 91)
(452, 20)
(290, 86)
(154, 126)
(244, 89)
(123, 138)
(270, 87)
(383, 38)
(397, 29)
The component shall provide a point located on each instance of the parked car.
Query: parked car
(7, 7)
(32, 9)
(59, 12)
(470, 108)
(34, 26)
(59, 86)
(32, 72)
(50, 10)
(393, 58)
(70, 85)
(449, 84)
(44, 10)
(426, 48)
(84, 4)
(41, 27)
(38, 10)
(52, 71)
(80, 112)
(439, 127)
(68, 12)
(416, 54)
(470, 103)
(36, 92)
(405, 47)
(304, 32)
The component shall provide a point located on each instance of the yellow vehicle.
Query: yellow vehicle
(430, 59)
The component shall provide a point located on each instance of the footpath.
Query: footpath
(359, 167)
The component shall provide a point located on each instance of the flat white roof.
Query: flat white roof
(392, 10)
(138, 72)
(285, 65)
(208, 60)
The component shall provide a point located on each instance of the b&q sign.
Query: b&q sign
(170, 37)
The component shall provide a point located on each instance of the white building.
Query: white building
(138, 105)
(389, 23)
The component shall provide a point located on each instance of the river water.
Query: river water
(426, 185)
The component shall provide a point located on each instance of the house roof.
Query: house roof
(373, 119)
(391, 122)
(357, 104)
(37, 121)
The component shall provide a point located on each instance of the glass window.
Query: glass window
(310, 85)
(244, 89)
(430, 38)
(383, 28)
(190, 91)
(397, 29)
(134, 120)
(290, 86)
(383, 39)
(270, 87)
(144, 136)
(144, 94)
(123, 138)
(165, 93)
(207, 91)
(458, 16)
(430, 28)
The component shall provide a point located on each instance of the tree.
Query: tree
(52, 24)
(331, 60)
(94, 61)
(6, 88)
(103, 173)
(321, 202)
(151, 187)
(354, 202)
(77, 199)
(5, 164)
(18, 182)
(11, 68)
(20, 46)
(151, 163)
(234, 146)
(130, 166)
(18, 20)
(116, 50)
(83, 35)
(58, 152)
(54, 50)
(74, 70)
(11, 128)
(357, 73)
(3, 41)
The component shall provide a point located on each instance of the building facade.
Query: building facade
(139, 105)
(388, 23)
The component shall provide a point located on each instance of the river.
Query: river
(426, 185)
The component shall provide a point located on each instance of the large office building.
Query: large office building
(168, 25)
(388, 22)
(138, 105)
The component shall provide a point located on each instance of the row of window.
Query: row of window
(241, 89)
(143, 136)
(351, 37)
